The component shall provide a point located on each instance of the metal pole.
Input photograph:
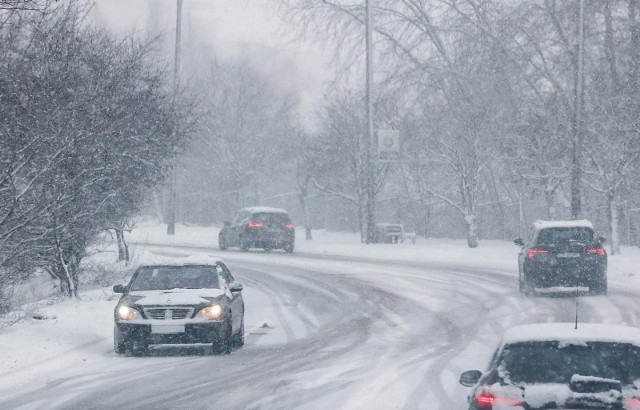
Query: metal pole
(171, 223)
(368, 163)
(176, 67)
(576, 179)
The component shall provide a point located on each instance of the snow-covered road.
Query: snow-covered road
(342, 332)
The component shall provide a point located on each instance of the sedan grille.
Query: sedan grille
(168, 313)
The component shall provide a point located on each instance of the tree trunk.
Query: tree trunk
(609, 45)
(66, 270)
(157, 207)
(495, 198)
(302, 198)
(362, 218)
(549, 200)
(307, 227)
(613, 224)
(123, 248)
(634, 27)
(370, 223)
(472, 230)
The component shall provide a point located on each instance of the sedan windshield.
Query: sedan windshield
(175, 277)
(549, 362)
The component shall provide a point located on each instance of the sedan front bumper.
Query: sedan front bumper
(157, 334)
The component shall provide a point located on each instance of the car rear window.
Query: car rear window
(175, 277)
(569, 234)
(272, 219)
(549, 362)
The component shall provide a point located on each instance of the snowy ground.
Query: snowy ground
(347, 326)
(624, 269)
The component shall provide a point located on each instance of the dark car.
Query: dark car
(555, 366)
(190, 303)
(259, 227)
(562, 253)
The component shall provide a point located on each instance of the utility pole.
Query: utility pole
(576, 170)
(171, 223)
(368, 143)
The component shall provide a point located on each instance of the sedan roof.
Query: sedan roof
(580, 223)
(565, 333)
(254, 209)
(188, 261)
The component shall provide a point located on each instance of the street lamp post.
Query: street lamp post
(368, 143)
(576, 169)
(171, 222)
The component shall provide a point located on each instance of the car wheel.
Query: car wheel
(238, 338)
(288, 247)
(599, 288)
(221, 243)
(222, 339)
(520, 283)
(244, 244)
(119, 345)
(527, 288)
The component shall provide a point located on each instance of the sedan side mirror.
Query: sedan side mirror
(235, 287)
(518, 242)
(470, 378)
(118, 289)
(602, 239)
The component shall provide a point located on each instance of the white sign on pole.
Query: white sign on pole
(388, 144)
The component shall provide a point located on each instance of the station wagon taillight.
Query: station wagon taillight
(289, 226)
(535, 252)
(597, 251)
(632, 403)
(488, 400)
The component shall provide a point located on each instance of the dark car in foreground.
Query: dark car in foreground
(259, 227)
(562, 254)
(555, 366)
(179, 303)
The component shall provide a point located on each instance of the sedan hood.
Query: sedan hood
(175, 296)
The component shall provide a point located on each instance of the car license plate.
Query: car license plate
(167, 329)
(568, 255)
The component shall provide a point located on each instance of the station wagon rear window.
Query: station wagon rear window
(272, 219)
(569, 234)
(550, 362)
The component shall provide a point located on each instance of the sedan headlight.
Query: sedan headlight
(212, 312)
(125, 312)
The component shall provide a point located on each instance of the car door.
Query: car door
(237, 303)
(233, 230)
(238, 226)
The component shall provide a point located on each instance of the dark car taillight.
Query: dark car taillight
(488, 400)
(289, 226)
(632, 404)
(254, 224)
(597, 251)
(536, 252)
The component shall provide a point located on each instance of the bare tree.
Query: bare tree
(86, 132)
(341, 170)
(306, 155)
(246, 126)
(15, 5)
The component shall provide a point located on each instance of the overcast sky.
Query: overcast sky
(230, 29)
